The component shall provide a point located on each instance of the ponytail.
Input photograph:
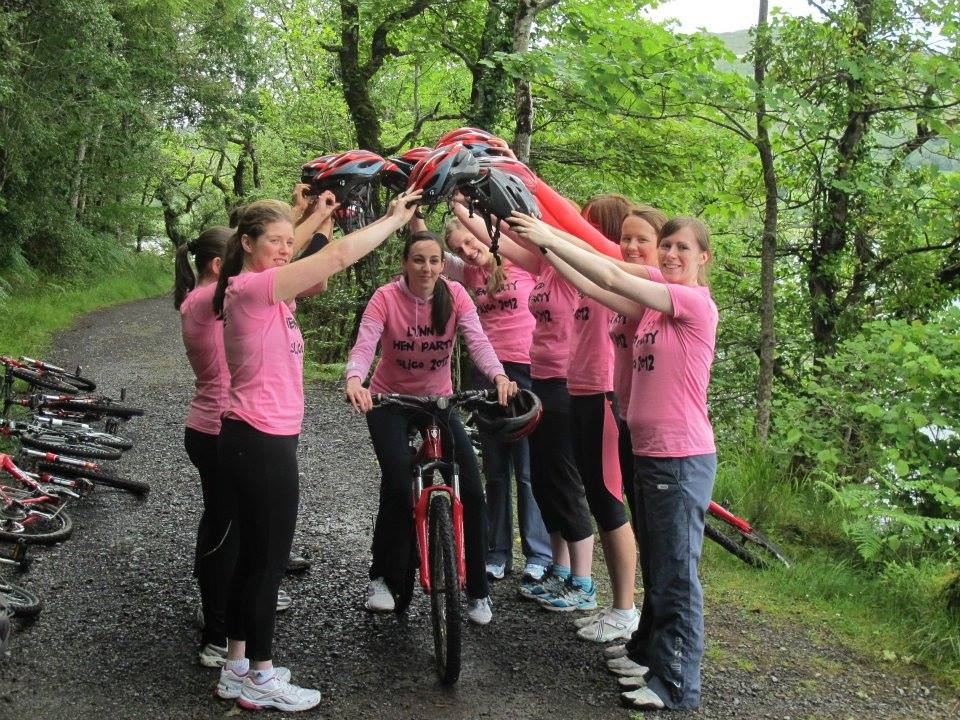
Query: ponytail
(497, 276)
(205, 249)
(252, 222)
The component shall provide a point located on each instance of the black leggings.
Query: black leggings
(393, 533)
(263, 473)
(595, 447)
(216, 552)
(626, 469)
(557, 486)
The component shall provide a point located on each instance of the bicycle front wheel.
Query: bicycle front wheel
(63, 445)
(44, 380)
(39, 523)
(753, 547)
(20, 601)
(97, 477)
(444, 589)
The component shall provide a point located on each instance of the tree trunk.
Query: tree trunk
(523, 96)
(768, 251)
(831, 226)
(487, 94)
(356, 90)
(76, 181)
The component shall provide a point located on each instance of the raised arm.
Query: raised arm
(295, 278)
(508, 248)
(617, 303)
(595, 268)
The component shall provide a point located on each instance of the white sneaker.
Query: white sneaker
(590, 619)
(610, 627)
(479, 611)
(230, 683)
(276, 693)
(632, 682)
(643, 699)
(213, 655)
(615, 651)
(534, 571)
(283, 601)
(496, 571)
(379, 597)
(626, 667)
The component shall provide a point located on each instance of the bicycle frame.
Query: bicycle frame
(728, 517)
(430, 459)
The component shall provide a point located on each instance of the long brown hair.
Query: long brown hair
(252, 223)
(497, 273)
(702, 234)
(607, 213)
(204, 248)
(442, 301)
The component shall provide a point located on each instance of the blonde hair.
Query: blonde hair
(497, 272)
(654, 217)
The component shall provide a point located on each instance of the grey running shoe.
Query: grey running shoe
(228, 688)
(277, 694)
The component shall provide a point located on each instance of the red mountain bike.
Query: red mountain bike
(438, 526)
(738, 536)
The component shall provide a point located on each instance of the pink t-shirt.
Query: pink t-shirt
(552, 301)
(264, 350)
(414, 360)
(591, 350)
(504, 317)
(203, 338)
(622, 330)
(671, 360)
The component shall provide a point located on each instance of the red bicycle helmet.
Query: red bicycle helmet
(439, 174)
(465, 135)
(511, 422)
(310, 170)
(348, 171)
(512, 167)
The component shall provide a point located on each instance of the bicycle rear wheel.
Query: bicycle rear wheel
(20, 601)
(96, 408)
(97, 477)
(61, 445)
(753, 547)
(40, 523)
(44, 380)
(444, 589)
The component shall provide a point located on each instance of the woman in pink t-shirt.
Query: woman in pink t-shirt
(675, 455)
(255, 296)
(415, 318)
(501, 293)
(216, 548)
(556, 483)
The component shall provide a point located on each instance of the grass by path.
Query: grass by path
(31, 316)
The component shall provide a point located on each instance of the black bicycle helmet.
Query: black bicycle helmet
(511, 422)
(442, 171)
(498, 194)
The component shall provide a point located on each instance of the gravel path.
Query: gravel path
(116, 638)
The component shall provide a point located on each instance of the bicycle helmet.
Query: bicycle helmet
(441, 172)
(464, 135)
(348, 171)
(511, 422)
(310, 170)
(394, 177)
(511, 167)
(498, 194)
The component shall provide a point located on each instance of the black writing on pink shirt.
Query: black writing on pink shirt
(420, 330)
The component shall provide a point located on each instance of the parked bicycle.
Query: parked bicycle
(740, 537)
(31, 510)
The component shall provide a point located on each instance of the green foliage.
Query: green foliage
(877, 423)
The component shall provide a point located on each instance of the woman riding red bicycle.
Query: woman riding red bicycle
(415, 318)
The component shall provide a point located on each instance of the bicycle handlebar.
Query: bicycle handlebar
(440, 402)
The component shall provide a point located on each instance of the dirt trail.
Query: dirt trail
(117, 638)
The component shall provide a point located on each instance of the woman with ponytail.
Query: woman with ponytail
(415, 318)
(501, 293)
(255, 296)
(202, 331)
